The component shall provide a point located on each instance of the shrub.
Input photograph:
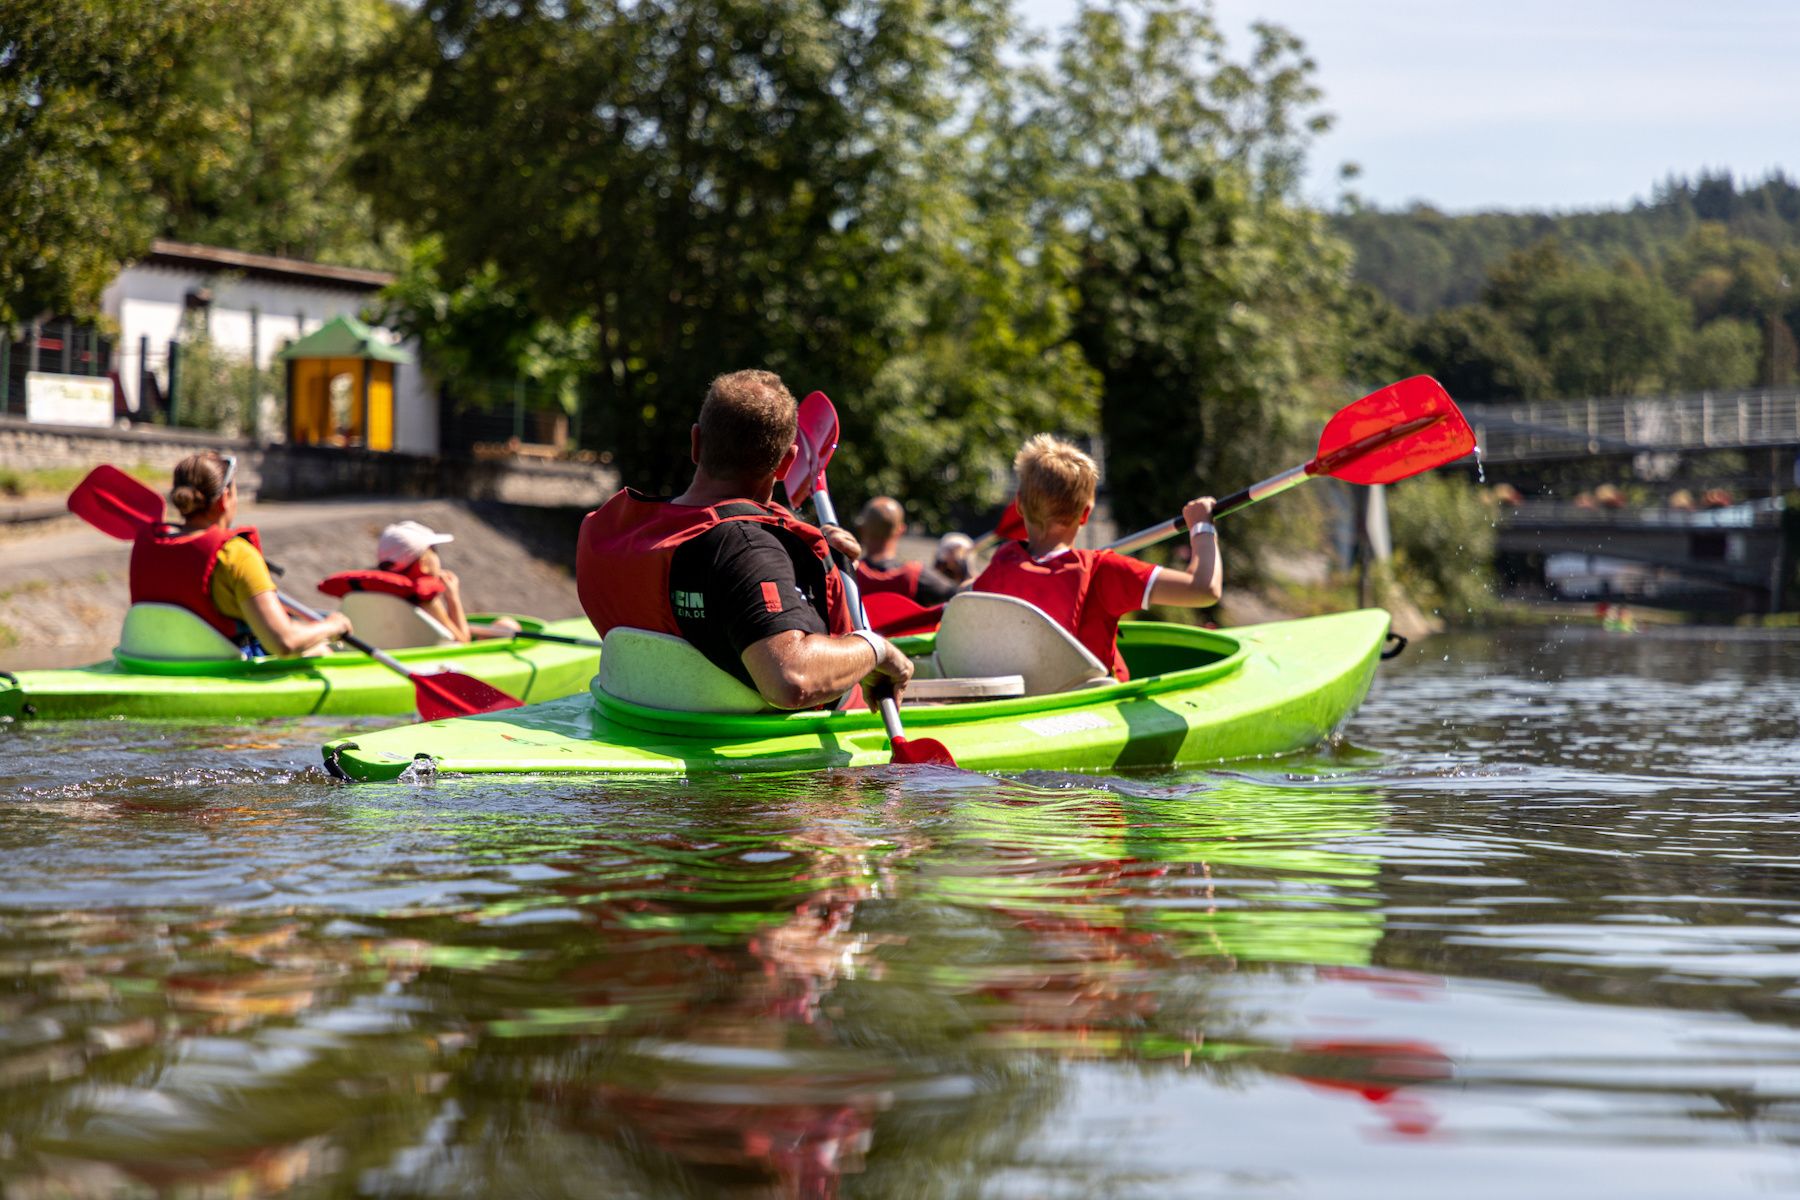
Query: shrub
(1443, 530)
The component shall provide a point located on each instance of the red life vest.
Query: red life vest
(1059, 586)
(414, 588)
(901, 579)
(171, 567)
(623, 552)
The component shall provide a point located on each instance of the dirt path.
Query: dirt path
(63, 592)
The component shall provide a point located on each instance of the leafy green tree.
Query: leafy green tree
(715, 186)
(1599, 331)
(1724, 354)
(1212, 300)
(1478, 356)
(94, 97)
(266, 135)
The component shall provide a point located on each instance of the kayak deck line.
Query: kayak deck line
(343, 684)
(1197, 696)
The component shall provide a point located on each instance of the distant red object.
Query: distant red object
(893, 615)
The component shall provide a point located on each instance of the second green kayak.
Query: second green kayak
(349, 684)
(1196, 695)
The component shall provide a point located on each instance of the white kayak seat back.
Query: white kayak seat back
(393, 622)
(658, 670)
(171, 633)
(984, 633)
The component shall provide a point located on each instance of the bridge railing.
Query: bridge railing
(1755, 514)
(1708, 420)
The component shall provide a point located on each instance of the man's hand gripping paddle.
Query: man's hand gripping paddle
(817, 439)
(118, 505)
(1402, 430)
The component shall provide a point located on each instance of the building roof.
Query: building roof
(186, 255)
(345, 337)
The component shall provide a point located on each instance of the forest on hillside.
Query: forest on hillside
(1690, 291)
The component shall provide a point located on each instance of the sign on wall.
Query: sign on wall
(68, 399)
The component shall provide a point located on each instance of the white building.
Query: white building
(253, 305)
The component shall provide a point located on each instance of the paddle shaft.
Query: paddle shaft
(312, 614)
(890, 711)
(1274, 485)
(555, 637)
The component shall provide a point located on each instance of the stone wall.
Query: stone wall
(283, 472)
(28, 447)
(307, 472)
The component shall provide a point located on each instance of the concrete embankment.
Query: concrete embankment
(63, 587)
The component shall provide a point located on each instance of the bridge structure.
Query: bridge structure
(1548, 430)
(1734, 559)
(1729, 559)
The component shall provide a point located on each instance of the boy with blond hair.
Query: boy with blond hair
(1088, 591)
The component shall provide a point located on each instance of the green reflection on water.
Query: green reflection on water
(765, 987)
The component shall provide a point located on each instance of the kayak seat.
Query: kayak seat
(963, 689)
(659, 670)
(984, 633)
(170, 633)
(392, 623)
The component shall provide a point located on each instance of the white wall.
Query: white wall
(148, 301)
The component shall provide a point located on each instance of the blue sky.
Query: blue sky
(1540, 104)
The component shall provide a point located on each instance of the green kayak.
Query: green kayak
(349, 684)
(1195, 695)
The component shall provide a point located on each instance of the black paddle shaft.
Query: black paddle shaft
(1240, 499)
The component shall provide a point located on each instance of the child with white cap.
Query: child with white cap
(407, 548)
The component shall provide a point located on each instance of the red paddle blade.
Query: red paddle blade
(449, 694)
(115, 503)
(1012, 522)
(817, 438)
(1393, 434)
(922, 752)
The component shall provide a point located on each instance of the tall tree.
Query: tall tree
(716, 185)
(267, 136)
(1211, 299)
(95, 98)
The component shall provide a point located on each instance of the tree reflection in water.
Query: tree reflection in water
(756, 988)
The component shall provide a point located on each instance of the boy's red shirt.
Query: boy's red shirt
(1084, 591)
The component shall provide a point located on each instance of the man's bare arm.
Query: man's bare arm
(795, 669)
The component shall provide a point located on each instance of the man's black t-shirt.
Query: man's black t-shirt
(737, 584)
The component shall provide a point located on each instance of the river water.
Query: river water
(1530, 926)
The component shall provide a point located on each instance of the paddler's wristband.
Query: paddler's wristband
(1203, 527)
(875, 640)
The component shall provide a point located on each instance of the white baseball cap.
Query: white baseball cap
(404, 541)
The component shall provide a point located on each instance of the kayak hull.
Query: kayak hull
(349, 684)
(1244, 693)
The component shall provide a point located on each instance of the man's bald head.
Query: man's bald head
(880, 522)
(747, 425)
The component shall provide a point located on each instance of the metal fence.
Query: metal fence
(1755, 514)
(1572, 428)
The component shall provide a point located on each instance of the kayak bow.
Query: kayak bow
(329, 684)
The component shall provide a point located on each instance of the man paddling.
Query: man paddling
(745, 581)
(879, 527)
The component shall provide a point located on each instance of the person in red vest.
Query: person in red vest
(218, 572)
(409, 549)
(1087, 591)
(879, 527)
(748, 583)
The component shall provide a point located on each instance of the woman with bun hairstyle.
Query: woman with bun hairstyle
(217, 572)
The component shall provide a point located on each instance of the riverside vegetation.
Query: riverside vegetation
(964, 233)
